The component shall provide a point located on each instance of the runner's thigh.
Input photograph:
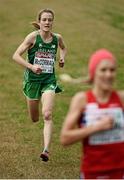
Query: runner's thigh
(48, 100)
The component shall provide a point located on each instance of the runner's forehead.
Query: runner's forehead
(106, 63)
(46, 15)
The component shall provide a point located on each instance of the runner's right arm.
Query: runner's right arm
(24, 46)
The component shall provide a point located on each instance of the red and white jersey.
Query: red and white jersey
(104, 150)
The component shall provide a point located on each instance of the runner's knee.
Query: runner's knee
(47, 114)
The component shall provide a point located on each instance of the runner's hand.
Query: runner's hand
(61, 63)
(36, 69)
(105, 123)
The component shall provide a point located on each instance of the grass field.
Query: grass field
(86, 25)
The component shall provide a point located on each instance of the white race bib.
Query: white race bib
(93, 115)
(45, 60)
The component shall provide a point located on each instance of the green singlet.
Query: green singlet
(43, 54)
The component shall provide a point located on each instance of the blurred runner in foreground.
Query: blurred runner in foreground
(96, 118)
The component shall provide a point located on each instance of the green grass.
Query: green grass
(85, 26)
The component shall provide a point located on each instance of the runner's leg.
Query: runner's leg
(33, 109)
(47, 108)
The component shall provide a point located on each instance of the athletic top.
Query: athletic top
(104, 150)
(43, 54)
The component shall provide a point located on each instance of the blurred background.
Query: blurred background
(86, 25)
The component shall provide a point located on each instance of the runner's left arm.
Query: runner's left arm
(63, 51)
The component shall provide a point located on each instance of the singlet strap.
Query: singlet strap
(90, 96)
(113, 98)
(55, 38)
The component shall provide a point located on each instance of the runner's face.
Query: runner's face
(46, 22)
(105, 75)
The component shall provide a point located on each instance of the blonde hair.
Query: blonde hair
(35, 23)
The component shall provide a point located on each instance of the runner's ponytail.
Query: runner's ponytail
(35, 24)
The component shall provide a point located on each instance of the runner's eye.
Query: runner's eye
(50, 19)
(103, 69)
(44, 19)
(112, 69)
(106, 69)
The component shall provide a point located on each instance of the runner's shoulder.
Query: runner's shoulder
(31, 36)
(79, 99)
(59, 36)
